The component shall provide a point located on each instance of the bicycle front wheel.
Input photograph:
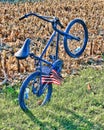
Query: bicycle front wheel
(29, 98)
(78, 29)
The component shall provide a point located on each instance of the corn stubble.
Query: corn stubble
(13, 32)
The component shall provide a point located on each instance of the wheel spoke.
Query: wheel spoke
(31, 95)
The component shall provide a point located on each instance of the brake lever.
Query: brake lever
(59, 23)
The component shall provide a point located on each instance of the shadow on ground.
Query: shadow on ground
(71, 123)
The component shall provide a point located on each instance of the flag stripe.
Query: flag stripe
(54, 77)
(48, 80)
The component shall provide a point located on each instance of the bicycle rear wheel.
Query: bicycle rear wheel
(28, 97)
(77, 28)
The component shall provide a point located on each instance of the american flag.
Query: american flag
(53, 77)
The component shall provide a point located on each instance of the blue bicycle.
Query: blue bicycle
(37, 87)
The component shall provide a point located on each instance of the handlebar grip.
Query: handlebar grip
(22, 17)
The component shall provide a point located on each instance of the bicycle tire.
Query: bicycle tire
(83, 26)
(25, 85)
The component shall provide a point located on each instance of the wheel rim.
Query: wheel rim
(78, 31)
(72, 47)
(31, 98)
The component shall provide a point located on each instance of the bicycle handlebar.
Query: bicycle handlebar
(22, 17)
(52, 20)
(45, 18)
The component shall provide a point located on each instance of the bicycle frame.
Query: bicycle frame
(54, 21)
(40, 58)
(48, 71)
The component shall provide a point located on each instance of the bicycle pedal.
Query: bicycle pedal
(34, 90)
(26, 95)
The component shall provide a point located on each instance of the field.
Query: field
(78, 103)
(13, 32)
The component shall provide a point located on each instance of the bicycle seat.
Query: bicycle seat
(24, 51)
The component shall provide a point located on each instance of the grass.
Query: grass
(73, 106)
